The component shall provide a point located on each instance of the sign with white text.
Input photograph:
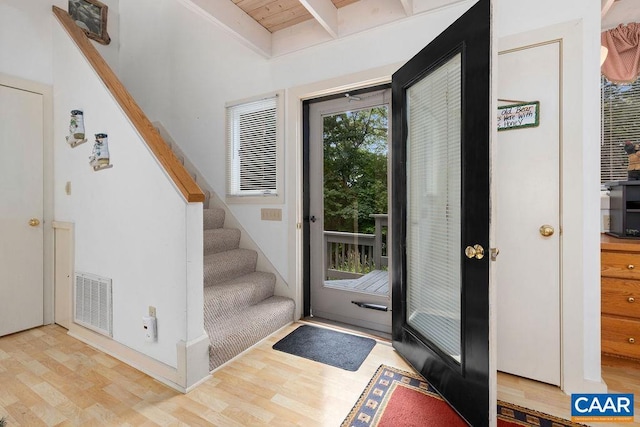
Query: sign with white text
(602, 407)
(518, 116)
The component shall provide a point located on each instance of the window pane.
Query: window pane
(252, 130)
(434, 207)
(620, 112)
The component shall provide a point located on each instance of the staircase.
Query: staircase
(240, 307)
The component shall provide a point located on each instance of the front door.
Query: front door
(440, 205)
(528, 198)
(348, 206)
(21, 210)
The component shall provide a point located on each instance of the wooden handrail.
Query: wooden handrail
(185, 182)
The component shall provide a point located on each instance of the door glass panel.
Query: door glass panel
(434, 207)
(355, 200)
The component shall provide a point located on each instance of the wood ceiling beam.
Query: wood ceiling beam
(407, 5)
(235, 21)
(325, 13)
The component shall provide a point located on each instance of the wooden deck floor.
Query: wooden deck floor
(375, 282)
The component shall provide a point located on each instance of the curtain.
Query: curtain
(623, 61)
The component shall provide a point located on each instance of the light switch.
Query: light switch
(270, 214)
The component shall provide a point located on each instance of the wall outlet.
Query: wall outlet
(152, 311)
(150, 328)
(270, 214)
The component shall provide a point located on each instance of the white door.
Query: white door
(528, 197)
(348, 209)
(21, 210)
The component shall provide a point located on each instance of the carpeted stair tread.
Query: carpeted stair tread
(213, 218)
(229, 298)
(220, 240)
(227, 265)
(234, 334)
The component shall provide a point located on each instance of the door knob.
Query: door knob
(475, 251)
(34, 222)
(546, 230)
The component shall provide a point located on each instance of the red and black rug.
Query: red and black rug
(396, 398)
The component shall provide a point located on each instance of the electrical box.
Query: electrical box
(150, 328)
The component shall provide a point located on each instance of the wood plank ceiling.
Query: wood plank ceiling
(276, 15)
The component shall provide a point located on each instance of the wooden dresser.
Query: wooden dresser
(620, 296)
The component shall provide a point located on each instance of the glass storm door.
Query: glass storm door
(440, 206)
(348, 209)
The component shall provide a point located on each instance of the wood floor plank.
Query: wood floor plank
(49, 378)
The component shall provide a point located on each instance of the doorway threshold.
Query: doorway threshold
(381, 337)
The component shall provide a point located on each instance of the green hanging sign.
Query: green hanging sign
(516, 116)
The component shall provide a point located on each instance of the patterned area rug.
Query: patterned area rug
(396, 398)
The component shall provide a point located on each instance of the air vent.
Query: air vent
(92, 308)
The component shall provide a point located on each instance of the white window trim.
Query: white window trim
(278, 197)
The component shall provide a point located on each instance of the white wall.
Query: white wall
(581, 229)
(184, 76)
(25, 38)
(131, 224)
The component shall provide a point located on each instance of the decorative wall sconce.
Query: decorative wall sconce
(100, 157)
(76, 129)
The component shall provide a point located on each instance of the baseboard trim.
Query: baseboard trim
(155, 369)
(193, 361)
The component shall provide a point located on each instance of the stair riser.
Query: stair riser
(213, 218)
(223, 268)
(224, 300)
(234, 335)
(221, 240)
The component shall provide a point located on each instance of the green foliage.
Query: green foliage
(355, 169)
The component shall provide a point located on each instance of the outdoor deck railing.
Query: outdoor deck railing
(352, 255)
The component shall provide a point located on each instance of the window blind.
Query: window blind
(434, 207)
(252, 138)
(620, 123)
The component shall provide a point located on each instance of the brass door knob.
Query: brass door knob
(34, 222)
(632, 340)
(546, 230)
(631, 299)
(475, 251)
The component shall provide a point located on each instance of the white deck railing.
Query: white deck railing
(352, 255)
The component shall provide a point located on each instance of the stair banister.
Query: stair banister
(176, 171)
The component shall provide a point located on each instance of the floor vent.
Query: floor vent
(92, 307)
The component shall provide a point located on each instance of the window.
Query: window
(253, 135)
(620, 123)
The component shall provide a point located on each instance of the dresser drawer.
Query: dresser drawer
(624, 265)
(621, 297)
(621, 337)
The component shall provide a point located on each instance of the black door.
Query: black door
(440, 211)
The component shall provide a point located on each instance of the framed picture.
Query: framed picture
(91, 16)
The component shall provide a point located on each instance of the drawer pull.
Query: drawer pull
(631, 267)
(631, 299)
(632, 340)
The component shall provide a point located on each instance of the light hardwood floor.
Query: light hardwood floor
(49, 378)
(620, 375)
